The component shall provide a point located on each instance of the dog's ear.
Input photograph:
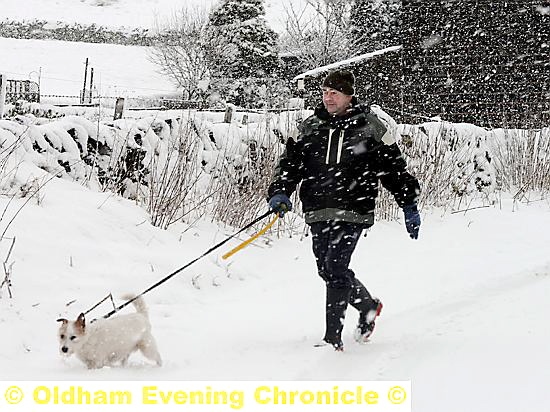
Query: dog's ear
(65, 321)
(80, 323)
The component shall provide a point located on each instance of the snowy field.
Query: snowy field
(465, 315)
(123, 13)
(118, 70)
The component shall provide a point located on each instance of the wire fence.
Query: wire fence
(27, 90)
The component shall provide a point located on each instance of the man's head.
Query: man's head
(338, 91)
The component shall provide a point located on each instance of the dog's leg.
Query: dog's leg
(124, 361)
(148, 347)
(90, 364)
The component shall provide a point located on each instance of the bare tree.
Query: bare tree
(317, 32)
(184, 49)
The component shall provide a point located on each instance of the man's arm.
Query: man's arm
(394, 176)
(288, 172)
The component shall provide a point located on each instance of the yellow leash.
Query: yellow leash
(252, 239)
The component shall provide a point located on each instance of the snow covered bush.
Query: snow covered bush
(522, 160)
(183, 165)
(176, 164)
(243, 26)
(246, 74)
(452, 162)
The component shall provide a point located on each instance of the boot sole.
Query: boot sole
(324, 344)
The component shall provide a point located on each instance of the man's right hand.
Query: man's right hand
(280, 203)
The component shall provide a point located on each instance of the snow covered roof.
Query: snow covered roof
(347, 62)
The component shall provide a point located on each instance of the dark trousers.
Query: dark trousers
(333, 246)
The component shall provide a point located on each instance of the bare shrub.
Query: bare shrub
(522, 161)
(239, 190)
(185, 50)
(7, 267)
(174, 177)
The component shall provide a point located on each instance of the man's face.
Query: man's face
(335, 102)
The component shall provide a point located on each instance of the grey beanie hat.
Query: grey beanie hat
(341, 80)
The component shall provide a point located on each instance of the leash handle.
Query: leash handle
(252, 239)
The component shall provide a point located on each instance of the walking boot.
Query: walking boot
(369, 309)
(365, 327)
(336, 305)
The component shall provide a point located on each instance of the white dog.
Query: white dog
(106, 342)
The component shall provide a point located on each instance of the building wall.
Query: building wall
(484, 62)
(377, 80)
(477, 61)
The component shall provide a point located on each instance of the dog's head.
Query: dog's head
(71, 334)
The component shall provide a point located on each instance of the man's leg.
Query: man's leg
(360, 298)
(368, 308)
(333, 245)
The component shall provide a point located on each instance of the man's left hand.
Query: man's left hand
(412, 220)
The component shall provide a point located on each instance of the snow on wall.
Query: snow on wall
(78, 148)
(114, 155)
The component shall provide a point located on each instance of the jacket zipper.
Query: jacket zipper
(340, 145)
(330, 132)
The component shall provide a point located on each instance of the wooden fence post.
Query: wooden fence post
(91, 83)
(83, 95)
(228, 114)
(119, 108)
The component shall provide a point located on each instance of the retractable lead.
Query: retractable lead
(174, 273)
(252, 239)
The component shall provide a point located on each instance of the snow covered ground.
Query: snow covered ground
(118, 70)
(465, 315)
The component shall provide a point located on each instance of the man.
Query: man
(340, 155)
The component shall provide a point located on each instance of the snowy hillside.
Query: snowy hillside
(120, 13)
(118, 70)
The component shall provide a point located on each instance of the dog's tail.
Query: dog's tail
(139, 303)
